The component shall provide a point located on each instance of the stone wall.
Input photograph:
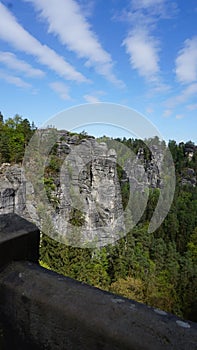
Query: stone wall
(40, 309)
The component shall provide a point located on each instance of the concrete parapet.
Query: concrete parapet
(44, 310)
(19, 239)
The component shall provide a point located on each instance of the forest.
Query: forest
(159, 268)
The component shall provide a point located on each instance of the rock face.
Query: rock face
(83, 205)
(146, 172)
(152, 167)
(189, 177)
(190, 150)
(12, 189)
(91, 188)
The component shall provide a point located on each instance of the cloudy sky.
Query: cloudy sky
(55, 54)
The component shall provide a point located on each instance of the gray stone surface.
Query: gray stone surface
(40, 309)
(12, 189)
(57, 313)
(19, 239)
(189, 177)
(93, 188)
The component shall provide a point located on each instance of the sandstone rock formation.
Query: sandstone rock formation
(12, 189)
(84, 204)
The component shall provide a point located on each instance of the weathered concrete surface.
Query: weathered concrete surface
(19, 239)
(55, 312)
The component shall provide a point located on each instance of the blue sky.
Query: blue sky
(55, 54)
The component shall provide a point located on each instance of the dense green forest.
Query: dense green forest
(15, 134)
(160, 268)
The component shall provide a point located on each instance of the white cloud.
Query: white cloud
(153, 9)
(91, 99)
(11, 61)
(186, 62)
(143, 51)
(146, 3)
(94, 96)
(156, 7)
(69, 24)
(149, 110)
(141, 42)
(11, 79)
(167, 113)
(87, 6)
(61, 89)
(13, 33)
(179, 116)
(183, 97)
(192, 107)
(190, 90)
